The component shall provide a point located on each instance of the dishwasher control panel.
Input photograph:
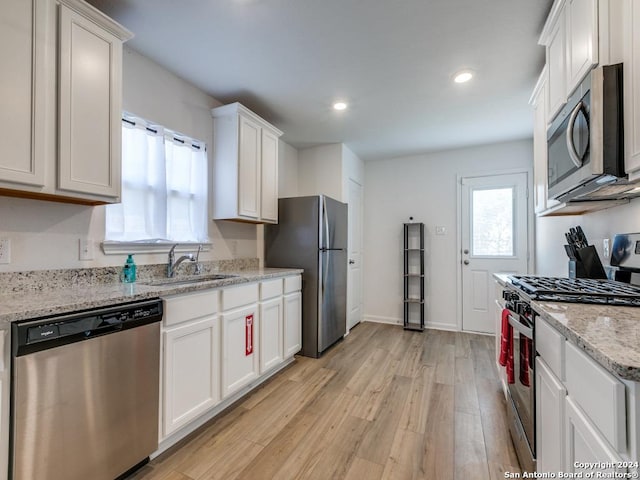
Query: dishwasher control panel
(33, 334)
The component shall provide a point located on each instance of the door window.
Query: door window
(492, 222)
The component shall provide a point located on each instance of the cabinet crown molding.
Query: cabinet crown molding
(95, 15)
(554, 13)
(238, 108)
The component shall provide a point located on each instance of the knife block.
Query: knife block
(587, 264)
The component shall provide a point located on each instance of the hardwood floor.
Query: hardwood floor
(383, 404)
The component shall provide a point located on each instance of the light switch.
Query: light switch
(441, 230)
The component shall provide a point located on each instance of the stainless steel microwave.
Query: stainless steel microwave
(585, 141)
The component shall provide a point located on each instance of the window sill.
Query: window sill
(124, 248)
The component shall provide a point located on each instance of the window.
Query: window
(164, 188)
(492, 222)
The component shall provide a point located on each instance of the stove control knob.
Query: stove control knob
(509, 296)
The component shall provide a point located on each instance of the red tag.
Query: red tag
(248, 335)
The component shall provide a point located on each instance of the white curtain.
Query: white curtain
(186, 189)
(164, 189)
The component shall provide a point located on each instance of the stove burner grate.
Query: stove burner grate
(578, 290)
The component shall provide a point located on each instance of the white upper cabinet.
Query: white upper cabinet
(632, 87)
(90, 105)
(245, 166)
(63, 102)
(582, 40)
(22, 94)
(571, 38)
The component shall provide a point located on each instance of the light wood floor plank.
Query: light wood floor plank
(361, 469)
(383, 401)
(471, 458)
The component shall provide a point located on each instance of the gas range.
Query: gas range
(577, 290)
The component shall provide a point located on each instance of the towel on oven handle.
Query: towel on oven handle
(506, 346)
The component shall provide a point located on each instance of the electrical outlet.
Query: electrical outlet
(86, 249)
(606, 250)
(441, 231)
(5, 251)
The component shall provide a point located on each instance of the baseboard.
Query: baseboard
(398, 321)
(379, 319)
(441, 326)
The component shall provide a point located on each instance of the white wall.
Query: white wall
(320, 171)
(550, 256)
(422, 186)
(287, 170)
(45, 234)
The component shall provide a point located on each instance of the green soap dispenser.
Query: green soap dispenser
(129, 270)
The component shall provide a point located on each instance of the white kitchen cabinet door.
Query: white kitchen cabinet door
(292, 324)
(249, 169)
(556, 64)
(269, 177)
(191, 372)
(90, 107)
(550, 401)
(22, 49)
(582, 40)
(583, 442)
(540, 174)
(632, 87)
(240, 349)
(271, 336)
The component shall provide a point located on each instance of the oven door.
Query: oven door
(522, 390)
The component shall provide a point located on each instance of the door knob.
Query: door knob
(465, 251)
(351, 262)
(466, 262)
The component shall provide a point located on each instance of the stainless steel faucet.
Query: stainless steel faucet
(174, 264)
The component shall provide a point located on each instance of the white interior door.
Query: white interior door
(354, 289)
(494, 233)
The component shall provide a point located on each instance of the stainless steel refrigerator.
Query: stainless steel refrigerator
(312, 234)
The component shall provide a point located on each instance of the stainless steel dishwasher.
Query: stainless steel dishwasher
(85, 394)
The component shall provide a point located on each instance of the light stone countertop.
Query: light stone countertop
(27, 304)
(609, 334)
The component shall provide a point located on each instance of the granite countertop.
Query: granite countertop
(27, 304)
(609, 334)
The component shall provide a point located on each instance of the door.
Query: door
(249, 169)
(240, 364)
(354, 273)
(269, 176)
(292, 324)
(550, 398)
(332, 298)
(271, 335)
(191, 368)
(494, 234)
(90, 107)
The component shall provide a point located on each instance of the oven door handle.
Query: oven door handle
(520, 328)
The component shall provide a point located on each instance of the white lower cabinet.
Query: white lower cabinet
(217, 344)
(240, 361)
(292, 324)
(583, 442)
(271, 337)
(191, 366)
(550, 400)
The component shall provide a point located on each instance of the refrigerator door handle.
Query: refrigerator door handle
(325, 220)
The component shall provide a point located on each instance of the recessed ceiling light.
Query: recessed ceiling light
(463, 76)
(339, 106)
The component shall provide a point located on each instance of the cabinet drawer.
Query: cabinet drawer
(187, 306)
(599, 394)
(550, 346)
(270, 289)
(235, 297)
(292, 284)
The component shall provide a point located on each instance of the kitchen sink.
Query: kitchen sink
(167, 282)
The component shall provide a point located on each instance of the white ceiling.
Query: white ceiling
(391, 60)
